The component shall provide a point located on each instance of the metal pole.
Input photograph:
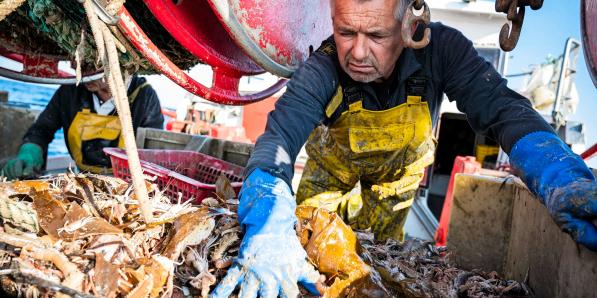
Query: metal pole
(556, 115)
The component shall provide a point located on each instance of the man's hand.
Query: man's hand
(562, 181)
(271, 260)
(29, 160)
(574, 208)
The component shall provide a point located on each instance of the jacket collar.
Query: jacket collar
(407, 64)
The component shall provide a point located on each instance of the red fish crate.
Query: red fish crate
(189, 174)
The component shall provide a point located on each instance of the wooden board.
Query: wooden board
(481, 219)
(556, 265)
(497, 224)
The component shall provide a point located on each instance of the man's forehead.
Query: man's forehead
(371, 13)
(383, 6)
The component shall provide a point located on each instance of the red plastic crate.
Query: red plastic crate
(190, 173)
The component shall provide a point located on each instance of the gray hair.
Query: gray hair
(398, 12)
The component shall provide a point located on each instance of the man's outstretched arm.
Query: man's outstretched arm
(271, 260)
(557, 176)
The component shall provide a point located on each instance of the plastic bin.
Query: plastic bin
(190, 174)
(233, 152)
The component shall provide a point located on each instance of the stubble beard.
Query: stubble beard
(362, 77)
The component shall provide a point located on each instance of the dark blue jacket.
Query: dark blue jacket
(453, 67)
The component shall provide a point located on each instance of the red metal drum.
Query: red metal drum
(277, 34)
(193, 24)
(224, 89)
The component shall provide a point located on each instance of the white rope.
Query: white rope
(115, 81)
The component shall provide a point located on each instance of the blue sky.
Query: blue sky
(545, 32)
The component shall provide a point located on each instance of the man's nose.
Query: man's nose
(360, 50)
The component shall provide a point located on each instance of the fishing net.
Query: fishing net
(53, 28)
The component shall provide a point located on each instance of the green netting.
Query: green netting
(53, 28)
(18, 34)
(51, 21)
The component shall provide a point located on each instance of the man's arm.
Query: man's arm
(271, 256)
(146, 109)
(481, 93)
(559, 178)
(150, 110)
(296, 114)
(34, 150)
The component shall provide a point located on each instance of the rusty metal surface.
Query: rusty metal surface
(225, 86)
(277, 34)
(409, 24)
(588, 19)
(193, 24)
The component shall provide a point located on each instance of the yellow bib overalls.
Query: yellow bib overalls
(386, 151)
(88, 126)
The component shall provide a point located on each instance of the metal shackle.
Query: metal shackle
(410, 20)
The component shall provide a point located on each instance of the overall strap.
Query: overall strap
(135, 92)
(87, 101)
(416, 84)
(347, 93)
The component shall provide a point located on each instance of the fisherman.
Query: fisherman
(366, 106)
(87, 113)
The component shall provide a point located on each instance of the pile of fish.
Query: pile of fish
(356, 265)
(83, 236)
(416, 268)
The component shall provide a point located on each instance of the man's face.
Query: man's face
(367, 37)
(100, 88)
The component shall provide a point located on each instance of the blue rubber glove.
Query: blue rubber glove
(562, 181)
(29, 160)
(271, 260)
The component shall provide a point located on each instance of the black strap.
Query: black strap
(351, 89)
(352, 93)
(416, 84)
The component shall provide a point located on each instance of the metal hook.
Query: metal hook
(411, 19)
(509, 36)
(515, 9)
